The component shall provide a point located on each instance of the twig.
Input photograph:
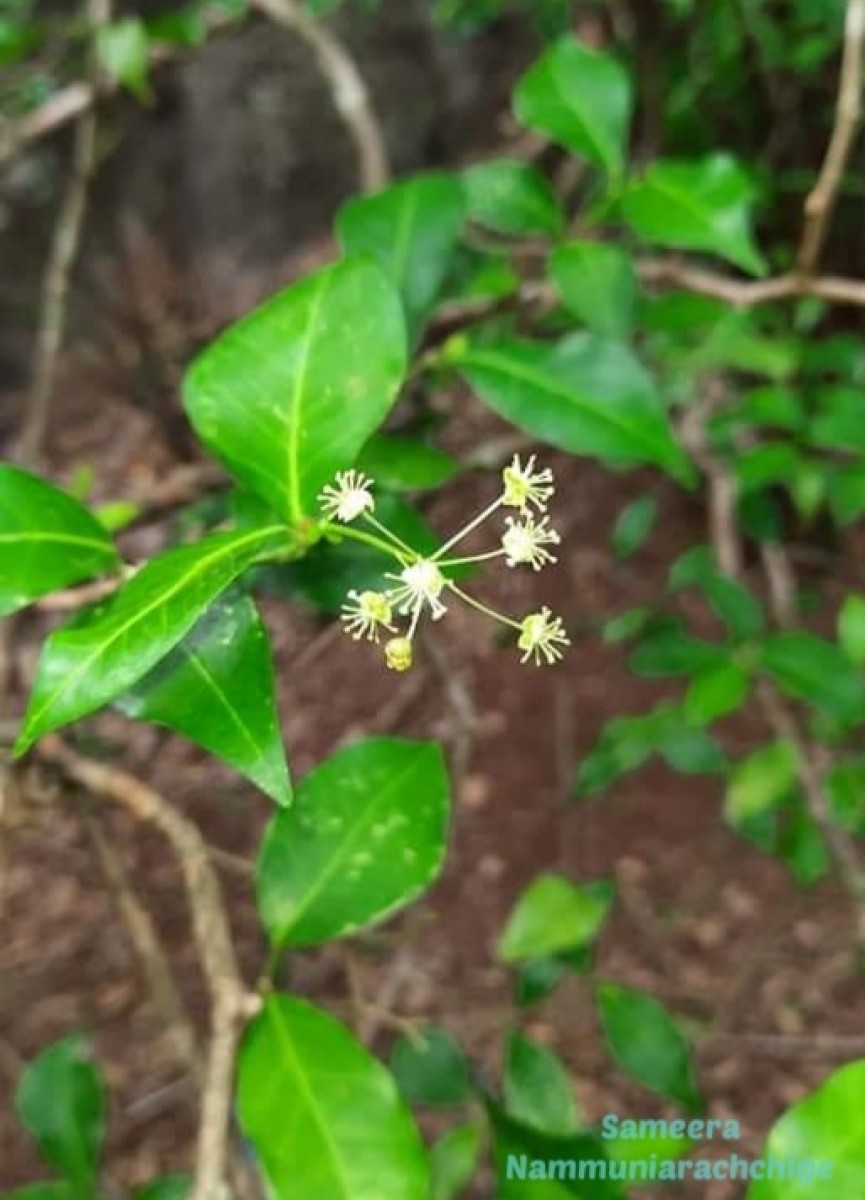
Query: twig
(350, 94)
(145, 939)
(73, 101)
(61, 259)
(230, 1003)
(821, 200)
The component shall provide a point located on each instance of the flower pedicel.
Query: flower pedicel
(421, 584)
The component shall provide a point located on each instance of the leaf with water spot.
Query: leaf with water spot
(289, 395)
(366, 835)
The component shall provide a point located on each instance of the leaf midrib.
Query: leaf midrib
(163, 598)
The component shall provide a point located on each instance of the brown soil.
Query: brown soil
(704, 921)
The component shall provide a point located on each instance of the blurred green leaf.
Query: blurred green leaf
(597, 284)
(851, 628)
(431, 1069)
(553, 914)
(537, 1089)
(454, 1159)
(580, 98)
(646, 1043)
(702, 205)
(123, 49)
(633, 525)
(715, 692)
(761, 780)
(512, 197)
(809, 668)
(405, 463)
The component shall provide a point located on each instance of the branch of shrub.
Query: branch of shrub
(347, 87)
(65, 244)
(230, 1003)
(820, 203)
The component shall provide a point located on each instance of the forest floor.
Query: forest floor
(762, 972)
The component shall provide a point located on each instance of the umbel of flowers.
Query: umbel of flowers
(420, 584)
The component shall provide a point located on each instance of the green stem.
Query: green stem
(369, 539)
(478, 520)
(390, 534)
(485, 609)
(472, 558)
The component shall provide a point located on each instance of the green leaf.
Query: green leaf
(761, 781)
(553, 914)
(166, 1187)
(288, 396)
(537, 978)
(108, 648)
(52, 1189)
(715, 692)
(537, 1088)
(405, 464)
(811, 669)
(851, 629)
(217, 689)
(585, 395)
(581, 99)
(323, 1115)
(412, 230)
(838, 421)
(454, 1159)
(671, 652)
(701, 205)
(366, 835)
(431, 1069)
(47, 540)
(531, 1165)
(825, 1128)
(634, 524)
(646, 1043)
(123, 49)
(803, 847)
(512, 197)
(597, 284)
(60, 1100)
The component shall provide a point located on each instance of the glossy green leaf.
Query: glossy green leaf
(47, 540)
(633, 525)
(105, 650)
(166, 1187)
(851, 628)
(826, 1128)
(431, 1069)
(404, 463)
(366, 835)
(646, 1043)
(553, 914)
(809, 668)
(61, 1102)
(581, 99)
(715, 692)
(701, 205)
(583, 394)
(123, 49)
(597, 284)
(537, 1088)
(512, 197)
(411, 229)
(217, 689)
(288, 396)
(761, 781)
(324, 1117)
(453, 1160)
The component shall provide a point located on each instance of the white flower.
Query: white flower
(398, 653)
(542, 636)
(365, 613)
(421, 583)
(524, 542)
(349, 498)
(525, 486)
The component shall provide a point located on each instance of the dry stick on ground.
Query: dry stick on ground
(64, 251)
(229, 1001)
(820, 203)
(148, 946)
(350, 94)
